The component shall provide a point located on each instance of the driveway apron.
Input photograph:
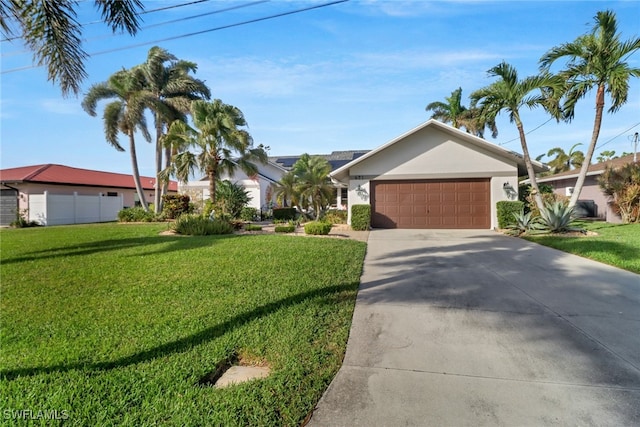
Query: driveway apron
(470, 328)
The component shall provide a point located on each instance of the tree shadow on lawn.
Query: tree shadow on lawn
(163, 244)
(327, 295)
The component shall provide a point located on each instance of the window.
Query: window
(112, 194)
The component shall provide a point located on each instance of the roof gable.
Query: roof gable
(66, 175)
(458, 136)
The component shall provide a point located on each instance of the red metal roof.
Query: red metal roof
(66, 175)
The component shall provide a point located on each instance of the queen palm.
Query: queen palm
(563, 161)
(509, 94)
(171, 89)
(595, 60)
(220, 142)
(313, 184)
(285, 189)
(125, 113)
(475, 122)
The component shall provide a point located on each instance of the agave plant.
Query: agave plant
(524, 222)
(558, 217)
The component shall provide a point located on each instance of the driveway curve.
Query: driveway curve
(471, 328)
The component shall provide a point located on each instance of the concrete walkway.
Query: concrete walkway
(471, 328)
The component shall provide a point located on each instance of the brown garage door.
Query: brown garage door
(443, 203)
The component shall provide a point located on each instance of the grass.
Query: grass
(614, 244)
(116, 325)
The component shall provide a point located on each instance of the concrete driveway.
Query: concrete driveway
(455, 328)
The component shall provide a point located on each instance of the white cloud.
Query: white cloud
(61, 106)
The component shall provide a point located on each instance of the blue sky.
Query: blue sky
(348, 76)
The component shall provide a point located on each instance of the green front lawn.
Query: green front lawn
(615, 244)
(117, 325)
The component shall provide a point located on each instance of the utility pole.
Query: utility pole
(634, 137)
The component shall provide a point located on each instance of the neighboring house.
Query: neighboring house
(260, 187)
(434, 176)
(336, 159)
(24, 188)
(593, 202)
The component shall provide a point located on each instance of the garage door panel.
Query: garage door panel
(431, 204)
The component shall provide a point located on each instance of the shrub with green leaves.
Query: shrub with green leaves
(506, 210)
(335, 216)
(252, 227)
(285, 214)
(198, 225)
(360, 217)
(317, 228)
(136, 214)
(523, 222)
(285, 228)
(174, 205)
(249, 214)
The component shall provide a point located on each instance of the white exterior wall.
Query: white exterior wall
(433, 154)
(58, 209)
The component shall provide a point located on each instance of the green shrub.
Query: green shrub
(136, 214)
(252, 227)
(289, 228)
(506, 210)
(335, 216)
(360, 217)
(286, 214)
(317, 228)
(198, 225)
(174, 205)
(249, 214)
(523, 222)
(231, 197)
(558, 217)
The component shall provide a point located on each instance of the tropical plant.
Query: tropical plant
(250, 214)
(360, 217)
(606, 155)
(510, 94)
(198, 225)
(175, 205)
(523, 222)
(558, 217)
(125, 113)
(231, 197)
(623, 185)
(312, 183)
(505, 209)
(285, 190)
(170, 90)
(449, 111)
(318, 228)
(476, 122)
(595, 60)
(136, 214)
(50, 30)
(221, 143)
(563, 161)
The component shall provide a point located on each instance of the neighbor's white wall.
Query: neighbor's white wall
(61, 209)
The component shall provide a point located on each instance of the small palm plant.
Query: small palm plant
(558, 217)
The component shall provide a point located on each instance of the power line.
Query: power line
(251, 21)
(144, 12)
(621, 133)
(527, 133)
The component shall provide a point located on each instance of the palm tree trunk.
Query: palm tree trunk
(212, 185)
(157, 200)
(136, 172)
(592, 146)
(527, 161)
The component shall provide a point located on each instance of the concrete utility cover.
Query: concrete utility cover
(240, 374)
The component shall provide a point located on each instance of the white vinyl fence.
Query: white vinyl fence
(58, 209)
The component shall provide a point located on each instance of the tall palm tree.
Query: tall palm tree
(221, 143)
(509, 94)
(171, 89)
(50, 30)
(475, 122)
(563, 161)
(125, 113)
(285, 189)
(449, 111)
(595, 60)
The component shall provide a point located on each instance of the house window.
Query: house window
(112, 194)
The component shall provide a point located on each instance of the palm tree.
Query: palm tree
(595, 60)
(220, 142)
(51, 32)
(285, 189)
(171, 90)
(449, 111)
(510, 94)
(565, 161)
(475, 122)
(313, 184)
(124, 114)
(606, 155)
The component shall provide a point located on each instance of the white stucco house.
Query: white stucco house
(433, 176)
(260, 186)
